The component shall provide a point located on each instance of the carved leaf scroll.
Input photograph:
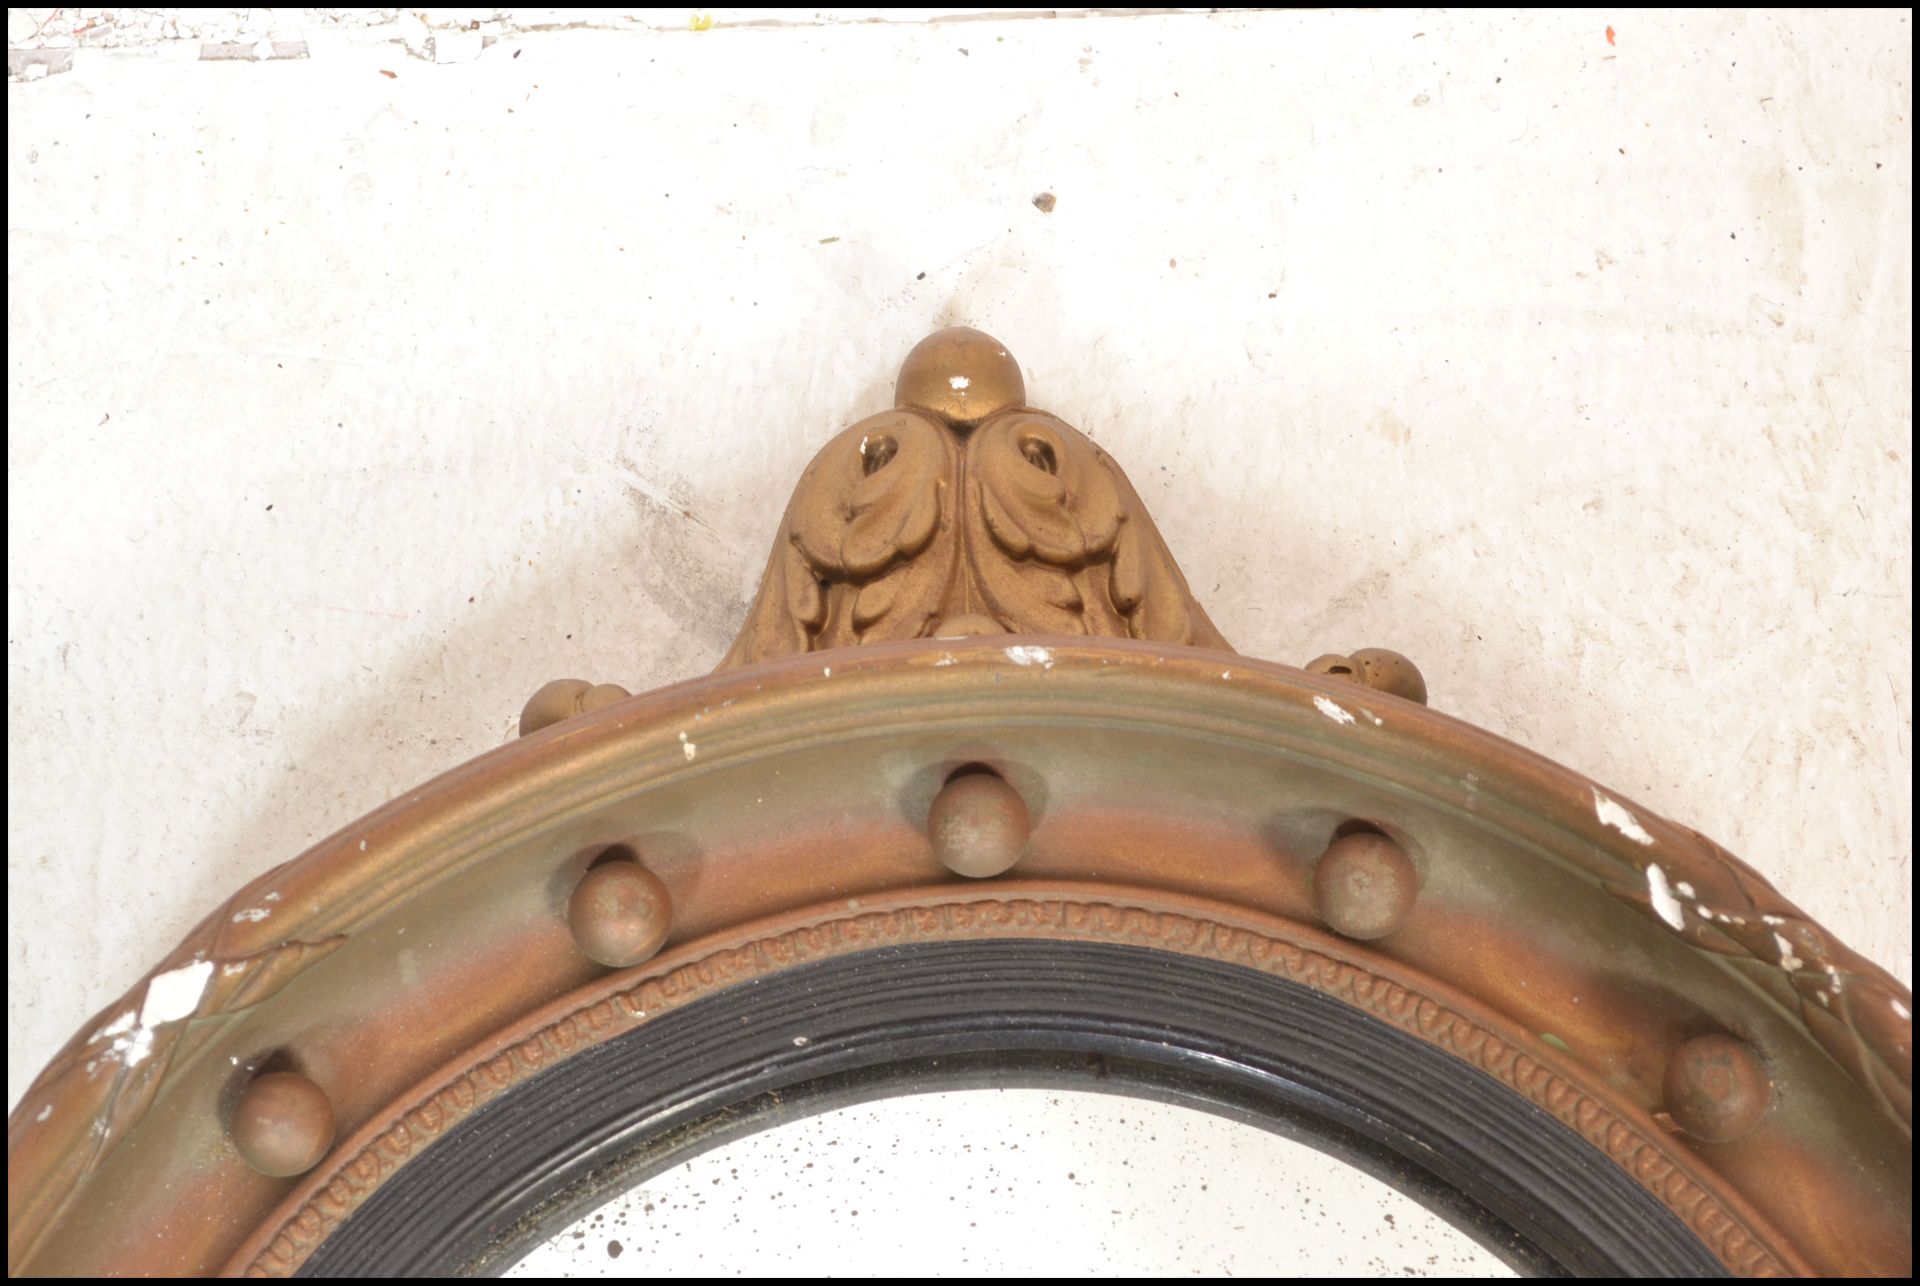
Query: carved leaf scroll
(1041, 506)
(866, 549)
(1048, 538)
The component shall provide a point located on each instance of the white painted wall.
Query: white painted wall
(347, 407)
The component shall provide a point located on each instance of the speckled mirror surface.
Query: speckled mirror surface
(1012, 1182)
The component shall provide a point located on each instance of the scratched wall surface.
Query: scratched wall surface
(351, 396)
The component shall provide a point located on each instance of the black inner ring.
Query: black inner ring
(942, 1015)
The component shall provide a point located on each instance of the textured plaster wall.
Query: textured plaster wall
(352, 396)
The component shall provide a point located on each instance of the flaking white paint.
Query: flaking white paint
(1660, 896)
(1333, 710)
(1612, 812)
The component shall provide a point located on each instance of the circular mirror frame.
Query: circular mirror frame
(1300, 897)
(1585, 958)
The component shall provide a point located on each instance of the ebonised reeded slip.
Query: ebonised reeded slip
(901, 1020)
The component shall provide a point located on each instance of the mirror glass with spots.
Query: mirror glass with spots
(1028, 1182)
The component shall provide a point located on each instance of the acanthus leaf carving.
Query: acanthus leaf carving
(866, 547)
(1043, 507)
(911, 520)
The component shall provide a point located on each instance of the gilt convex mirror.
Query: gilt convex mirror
(981, 800)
